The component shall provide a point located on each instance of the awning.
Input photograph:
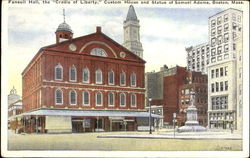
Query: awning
(66, 112)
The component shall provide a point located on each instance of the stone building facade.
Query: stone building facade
(14, 108)
(224, 69)
(198, 58)
(131, 28)
(225, 28)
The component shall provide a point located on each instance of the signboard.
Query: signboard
(144, 128)
(116, 118)
(86, 123)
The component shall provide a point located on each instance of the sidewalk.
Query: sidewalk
(191, 135)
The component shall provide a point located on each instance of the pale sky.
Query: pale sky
(165, 32)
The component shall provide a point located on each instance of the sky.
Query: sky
(164, 32)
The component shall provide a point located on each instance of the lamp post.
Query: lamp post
(174, 116)
(150, 131)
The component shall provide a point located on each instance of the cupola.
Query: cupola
(63, 32)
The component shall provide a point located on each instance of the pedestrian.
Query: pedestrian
(232, 129)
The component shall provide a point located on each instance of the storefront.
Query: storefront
(78, 121)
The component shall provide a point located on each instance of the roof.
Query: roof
(131, 16)
(107, 113)
(64, 27)
(97, 36)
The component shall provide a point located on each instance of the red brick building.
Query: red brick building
(173, 79)
(197, 82)
(173, 93)
(89, 83)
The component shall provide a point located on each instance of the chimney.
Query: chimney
(98, 29)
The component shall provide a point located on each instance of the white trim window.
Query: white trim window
(133, 79)
(72, 97)
(122, 79)
(58, 97)
(98, 99)
(122, 100)
(111, 99)
(85, 75)
(98, 76)
(111, 77)
(85, 98)
(58, 72)
(133, 100)
(72, 73)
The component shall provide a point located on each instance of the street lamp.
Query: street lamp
(174, 116)
(150, 131)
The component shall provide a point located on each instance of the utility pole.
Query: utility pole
(150, 130)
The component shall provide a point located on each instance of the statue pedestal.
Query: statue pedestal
(191, 125)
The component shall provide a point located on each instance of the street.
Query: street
(89, 141)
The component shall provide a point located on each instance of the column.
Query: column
(36, 124)
(110, 126)
(103, 123)
(97, 123)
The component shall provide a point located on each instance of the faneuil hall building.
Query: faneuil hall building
(85, 84)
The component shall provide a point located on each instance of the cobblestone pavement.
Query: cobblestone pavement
(90, 141)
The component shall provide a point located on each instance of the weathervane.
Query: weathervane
(63, 15)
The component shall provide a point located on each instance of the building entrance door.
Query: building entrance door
(77, 126)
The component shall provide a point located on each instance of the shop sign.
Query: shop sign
(86, 123)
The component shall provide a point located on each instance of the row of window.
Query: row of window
(220, 72)
(98, 76)
(225, 19)
(220, 102)
(219, 29)
(219, 58)
(219, 50)
(221, 116)
(98, 98)
(199, 100)
(219, 86)
(198, 90)
(220, 39)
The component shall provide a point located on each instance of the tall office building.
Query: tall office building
(225, 36)
(221, 59)
(198, 58)
(131, 28)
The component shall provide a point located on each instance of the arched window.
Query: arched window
(133, 79)
(122, 79)
(58, 72)
(133, 100)
(59, 97)
(72, 97)
(122, 99)
(111, 78)
(111, 99)
(85, 75)
(72, 73)
(98, 76)
(98, 99)
(85, 98)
